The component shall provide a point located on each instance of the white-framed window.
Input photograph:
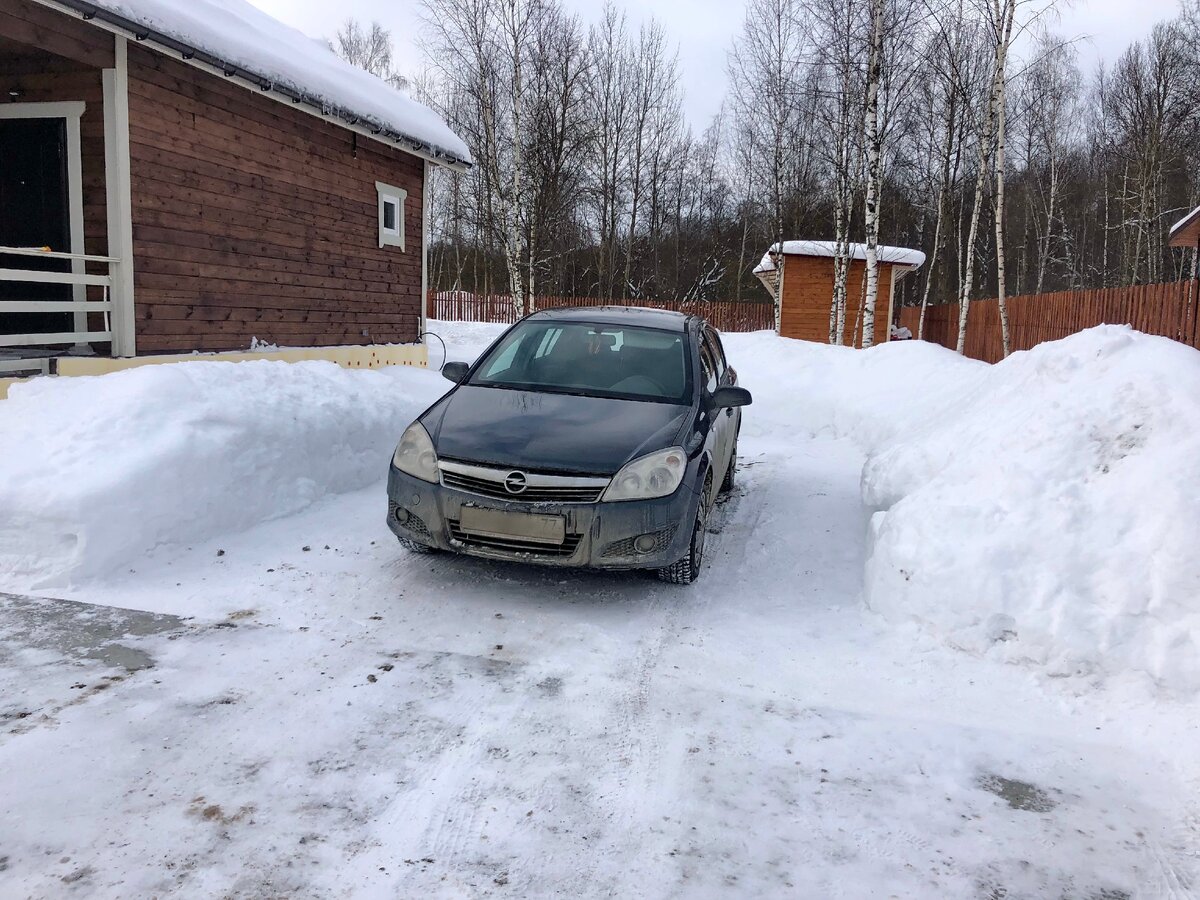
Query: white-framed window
(391, 215)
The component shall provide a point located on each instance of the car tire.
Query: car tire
(728, 482)
(687, 569)
(413, 547)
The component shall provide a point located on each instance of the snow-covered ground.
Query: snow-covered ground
(977, 682)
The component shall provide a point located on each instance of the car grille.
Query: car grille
(542, 487)
(624, 548)
(542, 494)
(515, 545)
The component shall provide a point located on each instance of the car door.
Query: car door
(727, 377)
(718, 422)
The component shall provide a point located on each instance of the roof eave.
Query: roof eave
(214, 65)
(906, 264)
(1186, 233)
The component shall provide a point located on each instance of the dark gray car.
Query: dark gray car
(582, 437)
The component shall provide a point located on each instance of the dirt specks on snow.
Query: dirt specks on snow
(212, 812)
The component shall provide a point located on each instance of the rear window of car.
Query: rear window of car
(623, 362)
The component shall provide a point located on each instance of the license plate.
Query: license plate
(496, 523)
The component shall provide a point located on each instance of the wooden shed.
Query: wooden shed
(803, 276)
(1186, 232)
(197, 176)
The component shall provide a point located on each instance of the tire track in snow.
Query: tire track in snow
(459, 793)
(1175, 868)
(608, 812)
(638, 778)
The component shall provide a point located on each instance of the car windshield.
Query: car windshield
(625, 362)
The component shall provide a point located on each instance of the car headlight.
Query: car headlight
(415, 454)
(654, 475)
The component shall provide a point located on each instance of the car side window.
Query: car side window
(708, 368)
(718, 352)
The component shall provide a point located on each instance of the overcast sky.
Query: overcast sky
(703, 30)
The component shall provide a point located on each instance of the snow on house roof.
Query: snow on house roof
(237, 35)
(896, 256)
(1186, 232)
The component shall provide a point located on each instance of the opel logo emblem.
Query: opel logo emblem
(514, 482)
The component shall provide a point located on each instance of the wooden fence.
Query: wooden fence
(1162, 309)
(724, 315)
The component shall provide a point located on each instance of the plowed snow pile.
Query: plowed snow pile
(1044, 510)
(96, 471)
(1051, 513)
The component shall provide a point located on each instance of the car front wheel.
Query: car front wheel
(687, 569)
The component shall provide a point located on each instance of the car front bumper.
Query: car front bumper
(599, 535)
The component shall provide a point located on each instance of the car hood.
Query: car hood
(555, 432)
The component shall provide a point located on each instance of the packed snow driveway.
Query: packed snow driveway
(311, 712)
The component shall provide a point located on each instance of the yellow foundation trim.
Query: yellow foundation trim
(372, 356)
(358, 357)
(6, 383)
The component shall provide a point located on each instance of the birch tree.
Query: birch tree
(764, 67)
(1049, 112)
(369, 47)
(590, 179)
(984, 142)
(1149, 102)
(610, 97)
(655, 80)
(487, 39)
(874, 154)
(1001, 22)
(840, 86)
(941, 97)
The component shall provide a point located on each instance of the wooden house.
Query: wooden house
(204, 178)
(802, 277)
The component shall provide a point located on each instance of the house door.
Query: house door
(34, 212)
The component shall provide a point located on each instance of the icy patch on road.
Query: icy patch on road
(95, 472)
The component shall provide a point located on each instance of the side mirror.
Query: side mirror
(455, 371)
(726, 397)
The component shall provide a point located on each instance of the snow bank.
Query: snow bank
(1050, 514)
(802, 389)
(465, 341)
(96, 471)
(1043, 510)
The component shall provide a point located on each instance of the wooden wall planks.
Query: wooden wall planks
(254, 220)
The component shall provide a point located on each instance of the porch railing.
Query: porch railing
(79, 305)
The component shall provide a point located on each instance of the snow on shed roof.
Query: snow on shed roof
(1186, 232)
(897, 256)
(238, 35)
